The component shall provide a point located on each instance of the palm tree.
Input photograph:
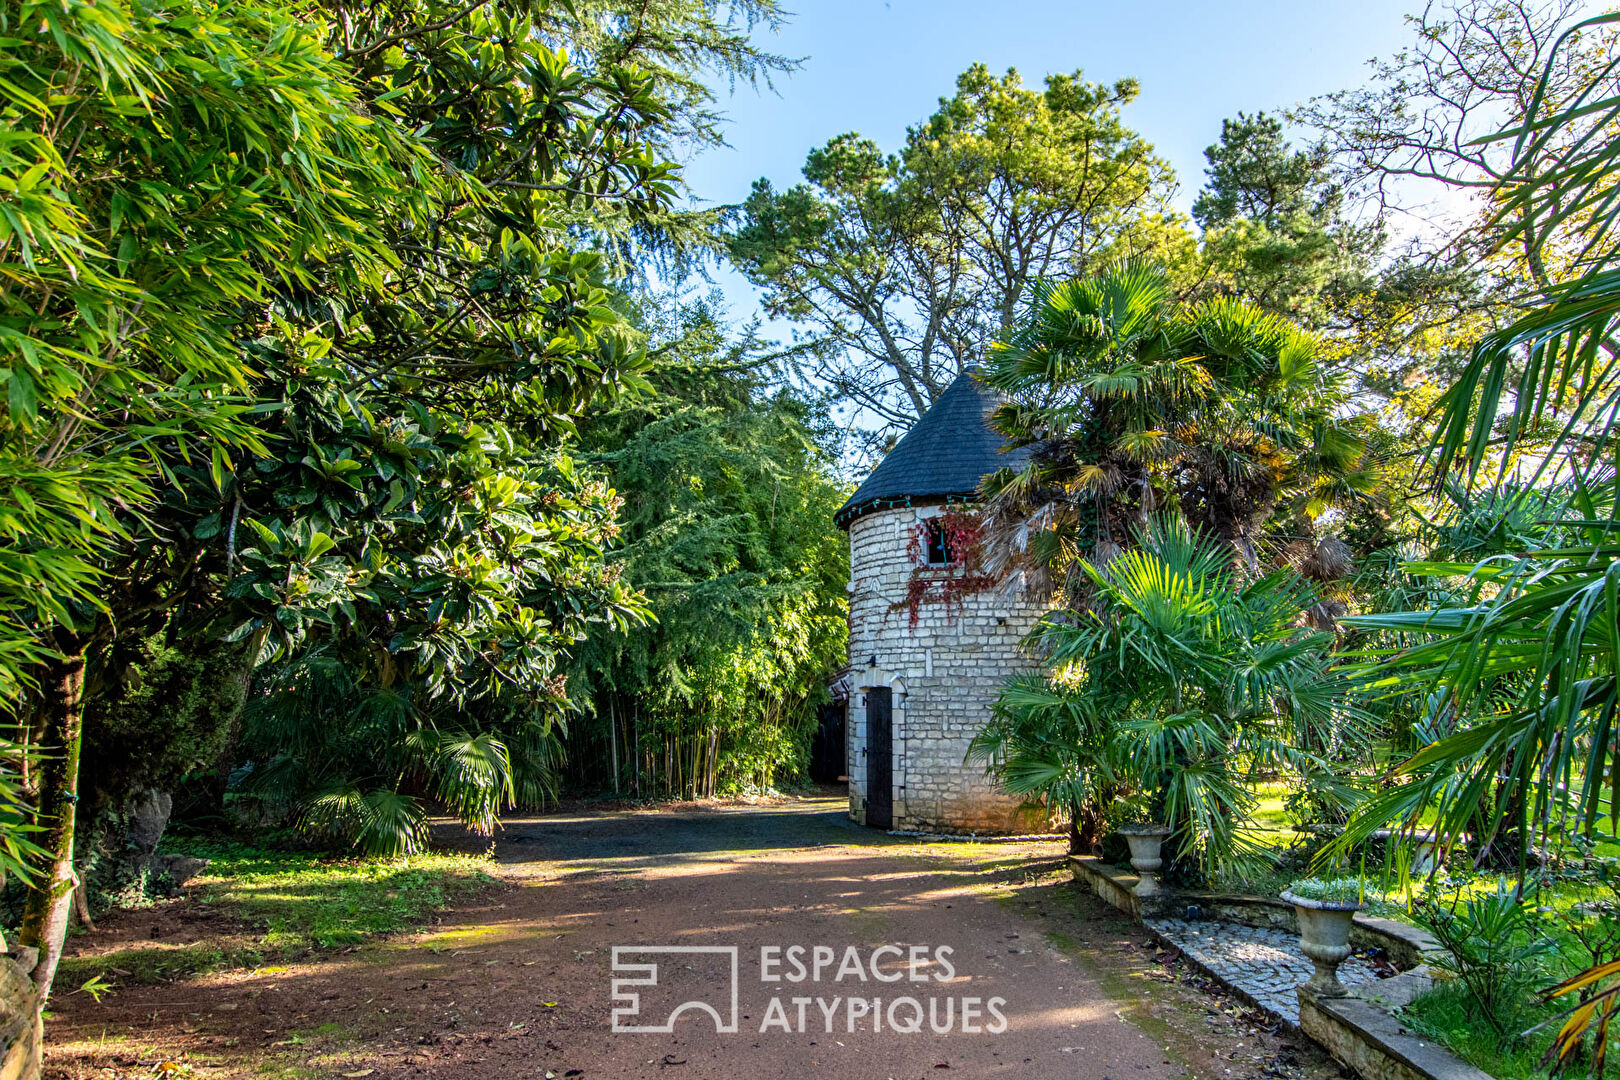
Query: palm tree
(1542, 394)
(1523, 681)
(1182, 673)
(1130, 403)
(354, 760)
(1054, 741)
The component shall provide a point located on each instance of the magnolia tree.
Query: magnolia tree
(291, 346)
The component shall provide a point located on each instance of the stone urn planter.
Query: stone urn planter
(1424, 864)
(1430, 852)
(1324, 938)
(1145, 842)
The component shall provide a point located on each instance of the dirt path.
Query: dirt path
(522, 985)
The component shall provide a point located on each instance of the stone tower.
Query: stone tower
(922, 677)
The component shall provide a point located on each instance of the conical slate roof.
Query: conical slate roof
(942, 458)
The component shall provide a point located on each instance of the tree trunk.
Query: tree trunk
(81, 905)
(50, 899)
(1085, 828)
(233, 735)
(613, 741)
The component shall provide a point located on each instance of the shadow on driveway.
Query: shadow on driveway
(628, 840)
(656, 837)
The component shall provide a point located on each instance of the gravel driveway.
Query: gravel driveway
(858, 956)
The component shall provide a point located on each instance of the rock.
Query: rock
(148, 816)
(179, 869)
(24, 956)
(19, 1022)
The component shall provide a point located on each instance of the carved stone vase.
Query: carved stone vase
(1324, 938)
(1145, 842)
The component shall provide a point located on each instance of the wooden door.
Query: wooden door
(879, 759)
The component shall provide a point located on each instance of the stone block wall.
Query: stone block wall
(944, 673)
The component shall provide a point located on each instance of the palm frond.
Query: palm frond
(474, 779)
(379, 822)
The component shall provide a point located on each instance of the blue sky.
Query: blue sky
(876, 67)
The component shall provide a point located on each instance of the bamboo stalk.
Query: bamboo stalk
(613, 739)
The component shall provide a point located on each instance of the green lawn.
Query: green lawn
(1269, 815)
(290, 903)
(301, 899)
(1447, 1016)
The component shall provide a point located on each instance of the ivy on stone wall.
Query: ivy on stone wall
(960, 576)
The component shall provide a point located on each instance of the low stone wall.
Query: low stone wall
(1111, 884)
(1360, 1031)
(1404, 945)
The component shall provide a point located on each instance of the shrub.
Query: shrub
(1491, 944)
(165, 714)
(168, 711)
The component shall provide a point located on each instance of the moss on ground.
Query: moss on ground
(302, 899)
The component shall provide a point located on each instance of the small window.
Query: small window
(939, 548)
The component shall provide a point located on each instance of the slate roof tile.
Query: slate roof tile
(941, 459)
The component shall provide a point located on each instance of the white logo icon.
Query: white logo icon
(647, 975)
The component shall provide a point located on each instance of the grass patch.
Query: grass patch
(1448, 1016)
(151, 965)
(1571, 936)
(291, 903)
(1268, 813)
(302, 900)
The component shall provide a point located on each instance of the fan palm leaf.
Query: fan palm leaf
(380, 822)
(1221, 405)
(1179, 674)
(474, 779)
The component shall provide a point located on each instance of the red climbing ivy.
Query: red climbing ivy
(960, 576)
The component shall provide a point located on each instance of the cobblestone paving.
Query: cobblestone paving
(1265, 964)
